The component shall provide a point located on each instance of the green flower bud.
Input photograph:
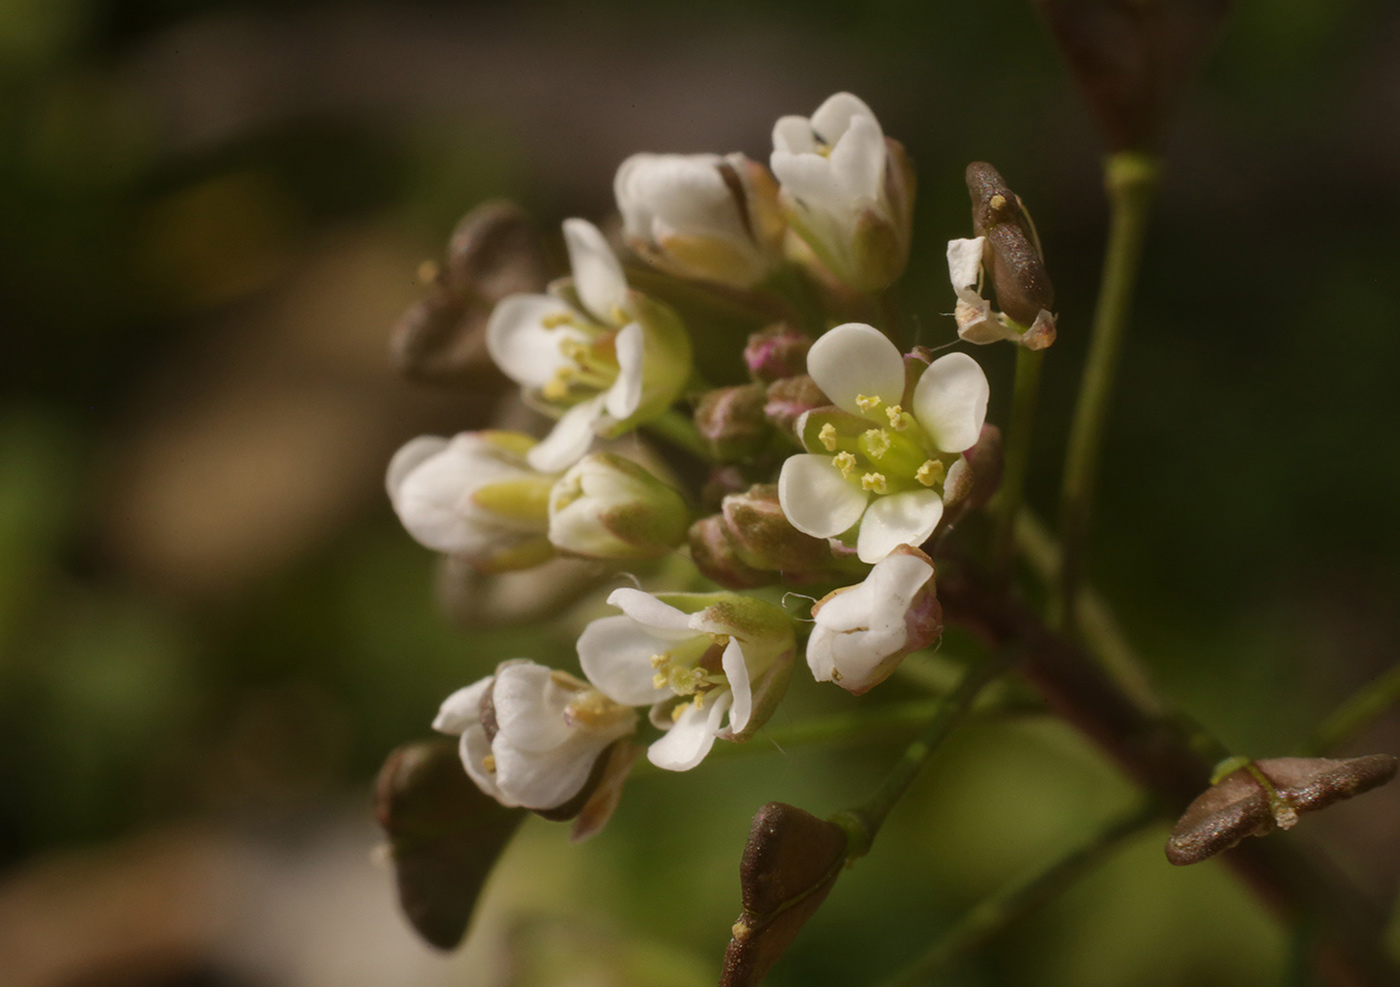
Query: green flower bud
(608, 507)
(731, 420)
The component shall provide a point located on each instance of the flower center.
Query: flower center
(592, 361)
(893, 458)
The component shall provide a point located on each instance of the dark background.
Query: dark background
(212, 629)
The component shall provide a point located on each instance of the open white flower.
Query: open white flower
(862, 632)
(846, 190)
(692, 657)
(881, 466)
(475, 497)
(701, 215)
(977, 322)
(533, 736)
(601, 356)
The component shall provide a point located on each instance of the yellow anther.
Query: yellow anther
(428, 272)
(877, 441)
(556, 389)
(557, 319)
(660, 680)
(827, 437)
(867, 403)
(875, 483)
(930, 473)
(678, 711)
(658, 660)
(488, 764)
(619, 317)
(997, 201)
(845, 462)
(572, 348)
(899, 421)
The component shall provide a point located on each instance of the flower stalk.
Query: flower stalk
(1130, 178)
(1021, 428)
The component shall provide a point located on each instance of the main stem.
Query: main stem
(1017, 458)
(1130, 178)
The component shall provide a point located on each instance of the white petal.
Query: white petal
(690, 739)
(546, 779)
(529, 707)
(736, 670)
(835, 117)
(858, 161)
(521, 346)
(793, 135)
(570, 439)
(854, 360)
(473, 750)
(660, 618)
(816, 498)
(895, 581)
(623, 397)
(598, 275)
(462, 709)
(433, 500)
(899, 519)
(811, 179)
(615, 653)
(965, 263)
(821, 658)
(410, 455)
(950, 401)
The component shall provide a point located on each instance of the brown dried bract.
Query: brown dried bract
(1239, 806)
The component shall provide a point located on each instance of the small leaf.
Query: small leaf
(790, 863)
(444, 837)
(1239, 806)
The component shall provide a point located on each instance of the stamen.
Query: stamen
(660, 680)
(875, 483)
(488, 764)
(867, 403)
(658, 660)
(827, 437)
(556, 319)
(930, 473)
(899, 421)
(678, 711)
(845, 462)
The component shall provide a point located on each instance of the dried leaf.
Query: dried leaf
(444, 837)
(1239, 806)
(790, 863)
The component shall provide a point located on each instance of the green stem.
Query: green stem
(863, 822)
(992, 915)
(1354, 715)
(1017, 458)
(1093, 616)
(680, 431)
(1130, 178)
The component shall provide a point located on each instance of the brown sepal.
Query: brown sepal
(444, 837)
(1238, 806)
(790, 863)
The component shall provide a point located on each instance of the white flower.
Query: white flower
(701, 215)
(883, 466)
(862, 632)
(603, 357)
(608, 507)
(532, 736)
(977, 323)
(475, 497)
(694, 658)
(846, 190)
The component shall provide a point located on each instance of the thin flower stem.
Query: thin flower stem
(863, 822)
(680, 431)
(1354, 715)
(992, 915)
(1130, 178)
(1018, 453)
(1097, 623)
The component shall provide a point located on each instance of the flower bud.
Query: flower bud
(608, 507)
(766, 539)
(791, 398)
(775, 352)
(846, 190)
(474, 497)
(732, 422)
(716, 555)
(863, 632)
(974, 479)
(701, 216)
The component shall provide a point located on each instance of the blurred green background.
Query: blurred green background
(212, 629)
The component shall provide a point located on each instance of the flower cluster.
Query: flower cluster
(834, 457)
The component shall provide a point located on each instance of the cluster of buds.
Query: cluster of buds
(835, 456)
